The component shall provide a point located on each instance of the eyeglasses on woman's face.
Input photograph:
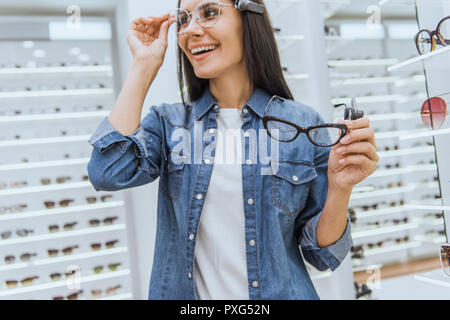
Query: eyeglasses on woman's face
(206, 13)
(427, 40)
(324, 135)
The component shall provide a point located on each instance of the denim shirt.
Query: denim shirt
(281, 209)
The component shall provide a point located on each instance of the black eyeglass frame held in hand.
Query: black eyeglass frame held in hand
(434, 37)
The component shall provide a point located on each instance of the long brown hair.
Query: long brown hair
(261, 55)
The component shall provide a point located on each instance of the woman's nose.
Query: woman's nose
(193, 28)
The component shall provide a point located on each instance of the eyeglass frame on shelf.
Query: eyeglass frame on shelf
(435, 34)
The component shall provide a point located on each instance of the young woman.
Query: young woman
(228, 230)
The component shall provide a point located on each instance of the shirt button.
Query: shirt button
(248, 161)
(246, 134)
(211, 131)
(295, 178)
(189, 275)
(245, 110)
(207, 161)
(252, 242)
(191, 236)
(255, 284)
(250, 201)
(199, 196)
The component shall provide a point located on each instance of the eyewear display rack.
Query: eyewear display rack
(367, 61)
(60, 239)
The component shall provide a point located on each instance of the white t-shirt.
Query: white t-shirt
(220, 264)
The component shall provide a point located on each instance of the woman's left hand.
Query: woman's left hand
(355, 157)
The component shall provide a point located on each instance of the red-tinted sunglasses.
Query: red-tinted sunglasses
(433, 112)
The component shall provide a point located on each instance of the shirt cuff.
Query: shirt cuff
(106, 135)
(331, 255)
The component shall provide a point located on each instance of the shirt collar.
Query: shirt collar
(257, 102)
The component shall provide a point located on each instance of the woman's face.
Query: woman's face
(226, 36)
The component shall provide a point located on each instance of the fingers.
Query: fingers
(149, 25)
(364, 148)
(366, 165)
(164, 30)
(364, 133)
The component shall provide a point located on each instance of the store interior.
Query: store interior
(62, 64)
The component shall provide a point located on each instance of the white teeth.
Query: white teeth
(196, 50)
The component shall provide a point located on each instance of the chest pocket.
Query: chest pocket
(291, 183)
(172, 186)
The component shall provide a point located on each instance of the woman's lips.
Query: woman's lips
(203, 55)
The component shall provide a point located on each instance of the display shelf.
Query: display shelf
(427, 207)
(285, 41)
(56, 93)
(401, 171)
(58, 211)
(54, 116)
(46, 188)
(424, 57)
(59, 70)
(424, 133)
(383, 230)
(55, 260)
(43, 164)
(300, 76)
(394, 116)
(393, 191)
(62, 234)
(361, 215)
(117, 297)
(63, 283)
(36, 141)
(357, 63)
(391, 249)
(363, 81)
(405, 152)
(430, 239)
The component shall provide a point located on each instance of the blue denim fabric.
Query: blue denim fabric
(281, 209)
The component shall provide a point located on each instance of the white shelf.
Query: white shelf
(45, 188)
(117, 297)
(363, 81)
(394, 116)
(62, 234)
(431, 239)
(393, 191)
(384, 230)
(72, 257)
(56, 211)
(60, 70)
(300, 76)
(371, 99)
(36, 141)
(54, 116)
(405, 170)
(417, 59)
(55, 93)
(424, 133)
(427, 207)
(63, 283)
(43, 164)
(361, 63)
(391, 248)
(406, 152)
(380, 212)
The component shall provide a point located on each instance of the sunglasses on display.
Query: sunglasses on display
(111, 267)
(109, 244)
(63, 203)
(208, 12)
(97, 293)
(434, 111)
(72, 296)
(15, 184)
(21, 233)
(56, 276)
(13, 209)
(445, 258)
(106, 221)
(23, 257)
(101, 198)
(46, 181)
(65, 251)
(427, 40)
(66, 227)
(25, 282)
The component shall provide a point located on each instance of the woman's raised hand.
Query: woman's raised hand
(147, 38)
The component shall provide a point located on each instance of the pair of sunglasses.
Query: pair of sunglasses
(111, 267)
(108, 244)
(97, 293)
(20, 233)
(434, 111)
(106, 221)
(72, 296)
(445, 258)
(57, 276)
(66, 227)
(23, 257)
(63, 203)
(65, 251)
(25, 282)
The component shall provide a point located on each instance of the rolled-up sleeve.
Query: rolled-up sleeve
(118, 162)
(322, 258)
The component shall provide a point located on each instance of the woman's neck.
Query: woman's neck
(231, 90)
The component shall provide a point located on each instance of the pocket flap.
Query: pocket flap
(295, 172)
